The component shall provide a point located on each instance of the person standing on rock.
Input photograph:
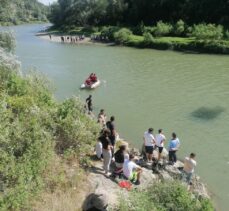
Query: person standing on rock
(174, 145)
(189, 166)
(111, 126)
(107, 154)
(160, 141)
(149, 143)
(89, 104)
(102, 118)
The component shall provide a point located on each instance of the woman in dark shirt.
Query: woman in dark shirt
(120, 156)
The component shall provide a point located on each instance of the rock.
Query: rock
(95, 200)
(165, 176)
(173, 171)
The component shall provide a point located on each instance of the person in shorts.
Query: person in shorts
(189, 166)
(131, 170)
(160, 140)
(149, 143)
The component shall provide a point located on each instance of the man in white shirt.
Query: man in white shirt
(189, 165)
(149, 142)
(160, 140)
(131, 170)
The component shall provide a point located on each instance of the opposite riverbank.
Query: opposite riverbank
(126, 37)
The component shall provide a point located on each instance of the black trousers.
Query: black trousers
(172, 156)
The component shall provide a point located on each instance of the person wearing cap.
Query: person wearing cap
(149, 143)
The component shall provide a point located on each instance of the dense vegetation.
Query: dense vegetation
(35, 129)
(171, 196)
(21, 11)
(132, 12)
(179, 25)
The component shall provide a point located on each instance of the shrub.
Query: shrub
(207, 31)
(109, 31)
(7, 41)
(227, 34)
(179, 28)
(163, 29)
(140, 29)
(148, 38)
(122, 36)
(171, 196)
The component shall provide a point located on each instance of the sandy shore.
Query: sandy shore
(57, 38)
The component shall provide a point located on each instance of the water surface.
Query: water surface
(147, 88)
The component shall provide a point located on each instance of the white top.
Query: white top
(99, 149)
(160, 138)
(149, 139)
(128, 167)
(189, 165)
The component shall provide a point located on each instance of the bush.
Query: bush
(179, 28)
(207, 31)
(227, 34)
(140, 29)
(148, 38)
(7, 41)
(162, 29)
(109, 31)
(165, 196)
(122, 36)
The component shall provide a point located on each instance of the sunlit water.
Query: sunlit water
(185, 93)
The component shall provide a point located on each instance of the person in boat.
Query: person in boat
(93, 77)
(88, 82)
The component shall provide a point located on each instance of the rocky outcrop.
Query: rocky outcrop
(109, 188)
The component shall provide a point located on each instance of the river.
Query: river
(142, 88)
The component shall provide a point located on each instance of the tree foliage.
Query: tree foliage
(133, 12)
(21, 11)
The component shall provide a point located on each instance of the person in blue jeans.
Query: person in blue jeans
(174, 145)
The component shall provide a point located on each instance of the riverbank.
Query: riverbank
(183, 44)
(57, 38)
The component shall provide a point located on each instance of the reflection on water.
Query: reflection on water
(207, 113)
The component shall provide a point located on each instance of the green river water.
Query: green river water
(142, 88)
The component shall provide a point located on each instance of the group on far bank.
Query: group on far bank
(110, 149)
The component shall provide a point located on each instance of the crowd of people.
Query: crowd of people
(125, 163)
(71, 39)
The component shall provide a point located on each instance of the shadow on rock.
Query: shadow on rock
(207, 113)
